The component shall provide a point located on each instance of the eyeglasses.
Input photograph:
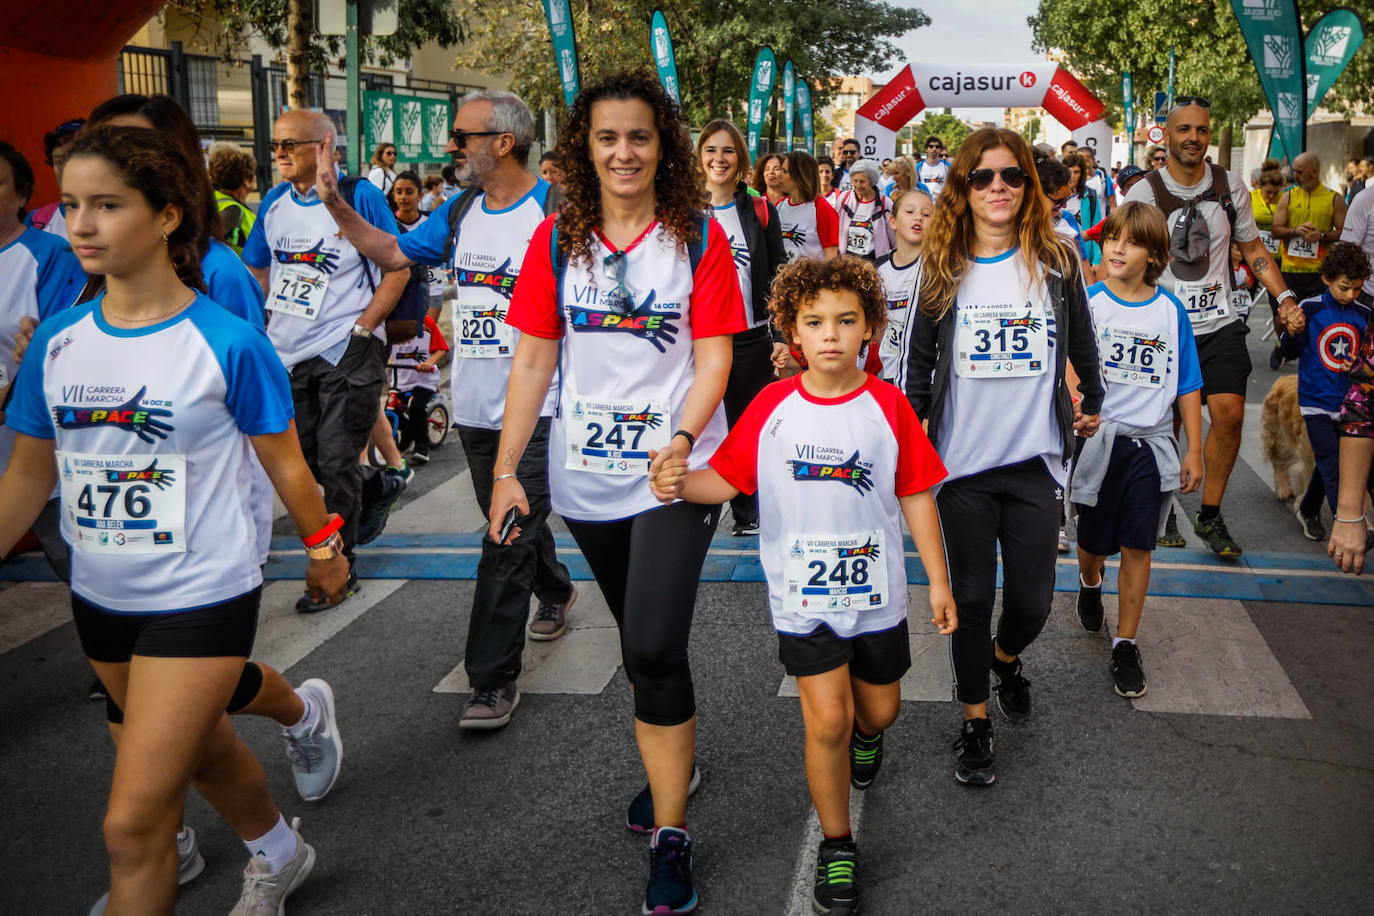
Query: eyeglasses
(1012, 177)
(619, 299)
(460, 137)
(1183, 101)
(1058, 203)
(289, 146)
(1160, 159)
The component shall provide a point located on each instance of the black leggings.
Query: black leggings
(1018, 507)
(417, 419)
(648, 567)
(751, 370)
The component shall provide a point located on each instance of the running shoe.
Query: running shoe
(1126, 670)
(265, 892)
(97, 691)
(419, 459)
(1276, 359)
(405, 472)
(307, 605)
(1013, 690)
(1217, 537)
(191, 865)
(746, 529)
(837, 877)
(490, 708)
(974, 766)
(1090, 606)
(378, 500)
(670, 887)
(640, 816)
(1312, 527)
(550, 621)
(1063, 540)
(865, 758)
(316, 757)
(1171, 536)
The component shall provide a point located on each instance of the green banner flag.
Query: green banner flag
(1331, 43)
(1273, 35)
(379, 121)
(438, 121)
(760, 92)
(1128, 115)
(808, 125)
(417, 126)
(559, 17)
(661, 43)
(789, 101)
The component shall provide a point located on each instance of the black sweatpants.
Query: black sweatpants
(506, 576)
(336, 407)
(648, 567)
(1016, 507)
(751, 370)
(417, 419)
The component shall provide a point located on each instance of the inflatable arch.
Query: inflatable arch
(1037, 85)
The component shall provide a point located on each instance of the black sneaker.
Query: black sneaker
(1171, 536)
(419, 459)
(640, 816)
(670, 887)
(1013, 690)
(746, 529)
(1090, 606)
(865, 757)
(1275, 359)
(837, 877)
(378, 499)
(974, 766)
(1217, 537)
(1126, 670)
(1312, 527)
(97, 691)
(307, 605)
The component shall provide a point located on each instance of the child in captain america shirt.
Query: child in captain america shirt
(838, 458)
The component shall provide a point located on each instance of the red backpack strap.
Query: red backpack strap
(761, 210)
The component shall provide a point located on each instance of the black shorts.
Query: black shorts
(1224, 360)
(875, 658)
(1128, 503)
(219, 631)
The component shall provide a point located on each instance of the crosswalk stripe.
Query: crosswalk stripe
(286, 636)
(28, 611)
(451, 506)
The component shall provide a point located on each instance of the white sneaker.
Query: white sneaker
(191, 865)
(1063, 541)
(316, 758)
(265, 892)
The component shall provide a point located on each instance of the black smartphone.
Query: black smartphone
(507, 524)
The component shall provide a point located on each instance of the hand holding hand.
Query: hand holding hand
(666, 482)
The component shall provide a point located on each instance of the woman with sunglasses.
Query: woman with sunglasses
(383, 172)
(631, 294)
(751, 225)
(810, 226)
(1002, 310)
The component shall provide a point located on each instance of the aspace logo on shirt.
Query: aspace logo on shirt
(654, 323)
(896, 305)
(819, 462)
(317, 257)
(162, 478)
(501, 278)
(866, 549)
(796, 234)
(647, 417)
(132, 416)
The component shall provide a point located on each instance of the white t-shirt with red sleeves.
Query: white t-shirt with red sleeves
(728, 217)
(829, 473)
(623, 378)
(807, 228)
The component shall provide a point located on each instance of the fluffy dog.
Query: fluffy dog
(1283, 439)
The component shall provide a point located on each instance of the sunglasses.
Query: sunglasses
(460, 137)
(1183, 101)
(289, 146)
(1012, 177)
(619, 298)
(1160, 159)
(1058, 203)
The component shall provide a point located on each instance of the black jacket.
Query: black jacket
(932, 347)
(766, 253)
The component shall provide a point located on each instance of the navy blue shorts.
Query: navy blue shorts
(874, 658)
(1128, 504)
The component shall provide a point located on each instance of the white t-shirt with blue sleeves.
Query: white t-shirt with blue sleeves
(319, 283)
(231, 284)
(1147, 355)
(153, 452)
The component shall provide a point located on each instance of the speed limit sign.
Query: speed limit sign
(1155, 134)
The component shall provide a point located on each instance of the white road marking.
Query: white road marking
(450, 507)
(286, 636)
(804, 873)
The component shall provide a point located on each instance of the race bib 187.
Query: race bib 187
(298, 290)
(1204, 300)
(124, 504)
(835, 573)
(1000, 341)
(615, 437)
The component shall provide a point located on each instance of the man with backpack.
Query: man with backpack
(482, 235)
(1199, 200)
(327, 303)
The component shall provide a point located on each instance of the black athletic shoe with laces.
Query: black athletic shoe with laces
(1013, 690)
(1214, 532)
(670, 887)
(974, 767)
(837, 877)
(865, 757)
(1127, 672)
(1090, 606)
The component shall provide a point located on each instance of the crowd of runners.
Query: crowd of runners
(975, 345)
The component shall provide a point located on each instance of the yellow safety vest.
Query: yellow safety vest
(1318, 208)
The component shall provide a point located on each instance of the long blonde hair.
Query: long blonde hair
(950, 236)
(904, 167)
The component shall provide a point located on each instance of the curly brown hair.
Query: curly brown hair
(1345, 259)
(800, 282)
(679, 183)
(153, 164)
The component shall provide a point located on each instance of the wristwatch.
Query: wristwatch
(328, 550)
(360, 331)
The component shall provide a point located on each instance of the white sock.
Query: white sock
(183, 841)
(277, 846)
(1086, 585)
(308, 718)
(1118, 640)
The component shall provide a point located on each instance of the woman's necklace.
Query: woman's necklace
(125, 318)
